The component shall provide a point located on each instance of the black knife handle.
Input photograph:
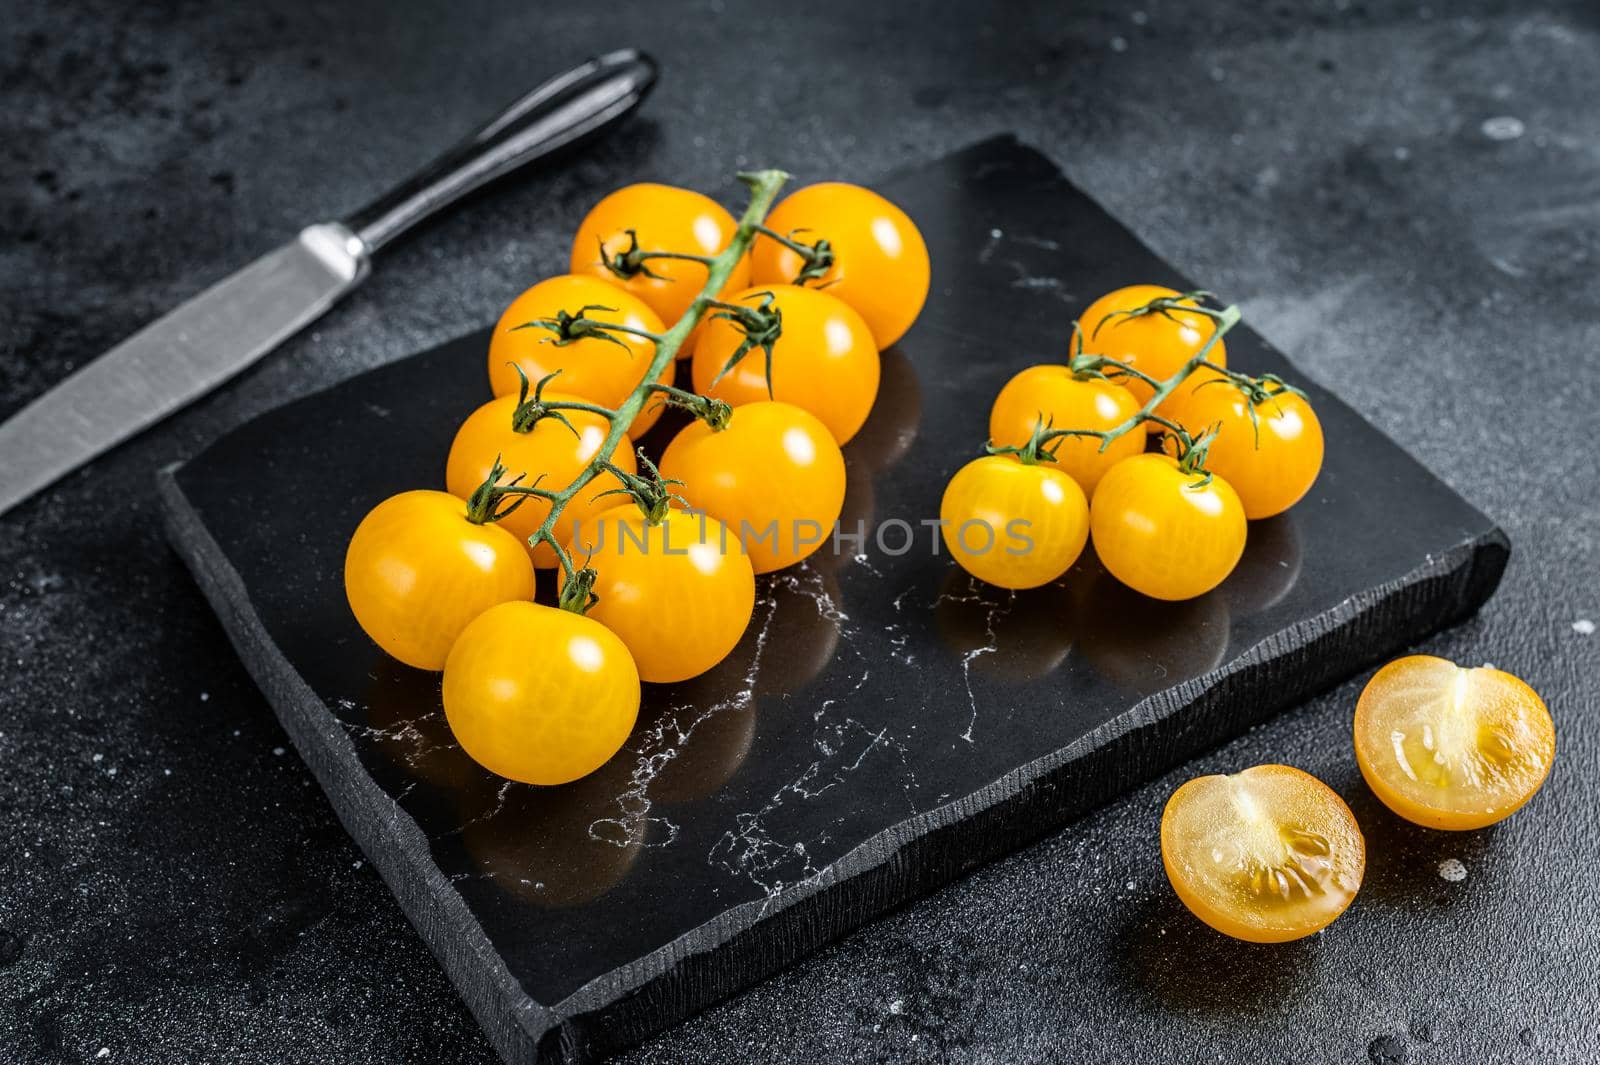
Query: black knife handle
(567, 109)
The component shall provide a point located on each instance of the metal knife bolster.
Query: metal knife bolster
(339, 249)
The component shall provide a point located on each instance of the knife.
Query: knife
(188, 352)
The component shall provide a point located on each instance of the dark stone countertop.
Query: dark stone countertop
(1404, 199)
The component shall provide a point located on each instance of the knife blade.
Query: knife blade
(177, 358)
(193, 349)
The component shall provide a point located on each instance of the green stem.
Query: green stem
(1226, 318)
(805, 251)
(572, 404)
(580, 324)
(764, 186)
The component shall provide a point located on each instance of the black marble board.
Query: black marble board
(887, 722)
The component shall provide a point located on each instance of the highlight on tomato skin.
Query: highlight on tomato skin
(1452, 747)
(1269, 449)
(824, 361)
(1156, 344)
(880, 261)
(663, 218)
(417, 571)
(1165, 532)
(539, 695)
(1267, 855)
(1013, 524)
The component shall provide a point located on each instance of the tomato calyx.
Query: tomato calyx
(1192, 450)
(651, 493)
(1165, 306)
(530, 412)
(491, 500)
(570, 328)
(714, 412)
(818, 256)
(761, 326)
(577, 593)
(1040, 447)
(634, 261)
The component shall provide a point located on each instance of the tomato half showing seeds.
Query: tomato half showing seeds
(678, 593)
(1012, 524)
(774, 476)
(1067, 401)
(880, 261)
(825, 361)
(1156, 344)
(1161, 533)
(594, 368)
(1451, 747)
(417, 571)
(664, 218)
(549, 448)
(1271, 460)
(1267, 855)
(540, 695)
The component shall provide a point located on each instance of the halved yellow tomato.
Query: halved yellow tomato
(1451, 747)
(1267, 855)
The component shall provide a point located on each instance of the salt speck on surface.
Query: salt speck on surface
(1503, 128)
(1452, 870)
(205, 697)
(105, 1052)
(1583, 627)
(897, 1007)
(99, 757)
(278, 751)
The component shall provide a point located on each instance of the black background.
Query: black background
(173, 888)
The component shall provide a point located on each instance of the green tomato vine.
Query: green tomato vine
(653, 495)
(1192, 448)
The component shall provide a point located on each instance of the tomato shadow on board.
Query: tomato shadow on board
(1268, 569)
(1184, 964)
(1012, 637)
(857, 519)
(891, 428)
(1143, 645)
(405, 716)
(559, 846)
(697, 733)
(554, 846)
(1403, 859)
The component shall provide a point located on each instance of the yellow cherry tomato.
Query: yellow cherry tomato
(540, 695)
(824, 361)
(1272, 459)
(1161, 533)
(1451, 747)
(594, 368)
(1156, 344)
(1267, 855)
(880, 262)
(1012, 524)
(550, 448)
(664, 218)
(418, 570)
(1067, 401)
(774, 476)
(678, 593)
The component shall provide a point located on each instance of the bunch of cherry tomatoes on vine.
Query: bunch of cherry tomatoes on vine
(1145, 442)
(782, 317)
